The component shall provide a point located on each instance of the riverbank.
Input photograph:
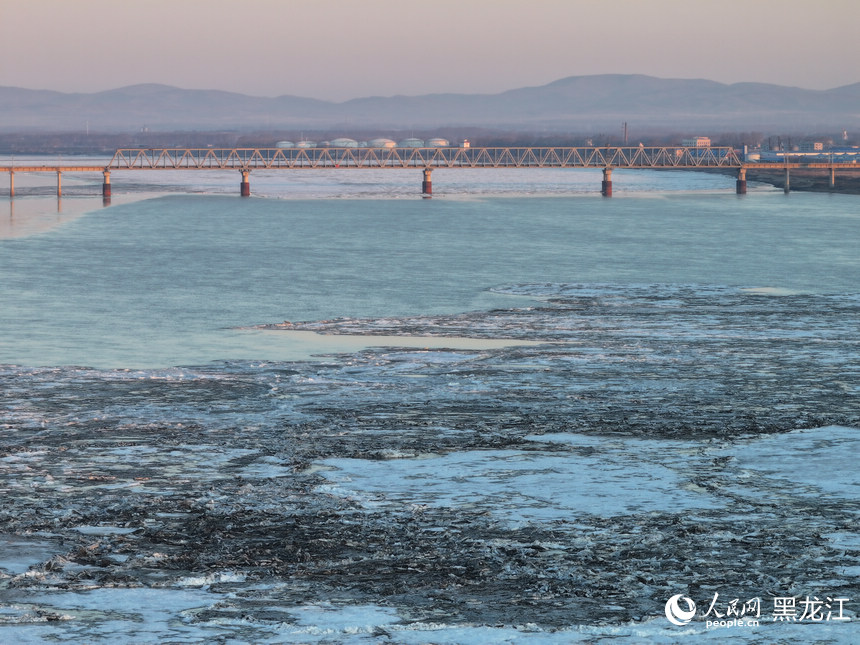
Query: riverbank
(818, 181)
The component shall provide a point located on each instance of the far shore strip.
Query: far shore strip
(351, 342)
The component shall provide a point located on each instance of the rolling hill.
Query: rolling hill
(578, 103)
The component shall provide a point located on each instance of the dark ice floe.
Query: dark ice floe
(649, 441)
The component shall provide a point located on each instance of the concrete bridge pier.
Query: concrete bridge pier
(106, 184)
(11, 183)
(606, 185)
(787, 187)
(245, 186)
(59, 183)
(427, 184)
(741, 184)
(832, 178)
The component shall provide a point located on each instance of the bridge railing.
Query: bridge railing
(474, 157)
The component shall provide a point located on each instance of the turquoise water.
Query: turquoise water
(167, 281)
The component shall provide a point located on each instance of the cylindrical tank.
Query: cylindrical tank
(344, 142)
(412, 142)
(285, 144)
(382, 143)
(438, 142)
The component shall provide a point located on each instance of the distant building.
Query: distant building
(811, 146)
(696, 142)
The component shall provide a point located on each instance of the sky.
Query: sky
(341, 49)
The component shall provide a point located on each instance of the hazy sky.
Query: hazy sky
(341, 49)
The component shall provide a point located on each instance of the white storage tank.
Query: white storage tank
(382, 143)
(438, 142)
(344, 142)
(285, 144)
(412, 142)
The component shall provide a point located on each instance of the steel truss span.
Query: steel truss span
(527, 157)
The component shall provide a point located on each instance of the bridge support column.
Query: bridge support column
(606, 185)
(741, 184)
(59, 183)
(245, 186)
(832, 178)
(106, 184)
(11, 183)
(787, 187)
(427, 184)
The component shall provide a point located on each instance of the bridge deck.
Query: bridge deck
(52, 168)
(244, 159)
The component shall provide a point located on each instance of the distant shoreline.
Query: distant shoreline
(809, 180)
(816, 181)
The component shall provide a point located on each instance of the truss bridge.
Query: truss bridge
(521, 157)
(247, 159)
(427, 159)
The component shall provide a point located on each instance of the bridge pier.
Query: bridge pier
(741, 184)
(606, 185)
(427, 184)
(245, 186)
(832, 178)
(787, 187)
(11, 183)
(106, 184)
(59, 183)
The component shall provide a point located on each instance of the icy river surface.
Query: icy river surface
(516, 412)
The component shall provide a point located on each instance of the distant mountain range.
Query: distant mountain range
(575, 104)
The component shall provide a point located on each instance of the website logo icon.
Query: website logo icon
(675, 614)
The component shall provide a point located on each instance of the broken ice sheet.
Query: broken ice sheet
(816, 461)
(586, 476)
(101, 615)
(19, 553)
